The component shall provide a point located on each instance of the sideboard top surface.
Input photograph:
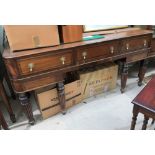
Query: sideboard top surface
(109, 37)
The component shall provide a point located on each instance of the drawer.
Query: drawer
(97, 52)
(137, 57)
(44, 63)
(137, 43)
(153, 45)
(36, 82)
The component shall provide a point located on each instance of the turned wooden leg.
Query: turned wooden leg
(142, 71)
(24, 100)
(61, 96)
(7, 103)
(134, 118)
(10, 86)
(145, 122)
(124, 76)
(3, 122)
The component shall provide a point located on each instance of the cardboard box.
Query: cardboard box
(70, 33)
(48, 101)
(99, 81)
(22, 37)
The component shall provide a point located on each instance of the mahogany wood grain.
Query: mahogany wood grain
(152, 52)
(137, 57)
(144, 103)
(6, 77)
(48, 69)
(36, 82)
(146, 98)
(136, 43)
(3, 122)
(153, 45)
(134, 117)
(61, 96)
(43, 63)
(7, 103)
(145, 122)
(109, 37)
(96, 52)
(24, 100)
(124, 76)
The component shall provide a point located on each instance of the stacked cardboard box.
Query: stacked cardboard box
(21, 37)
(90, 84)
(48, 100)
(98, 81)
(70, 33)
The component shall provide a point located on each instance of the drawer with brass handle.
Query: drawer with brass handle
(43, 63)
(97, 52)
(135, 43)
(63, 59)
(31, 65)
(84, 54)
(112, 49)
(127, 46)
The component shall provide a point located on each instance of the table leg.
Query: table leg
(145, 122)
(7, 103)
(124, 76)
(24, 100)
(134, 118)
(61, 96)
(142, 71)
(3, 122)
(10, 86)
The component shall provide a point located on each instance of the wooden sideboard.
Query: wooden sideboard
(36, 68)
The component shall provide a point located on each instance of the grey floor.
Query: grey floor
(108, 111)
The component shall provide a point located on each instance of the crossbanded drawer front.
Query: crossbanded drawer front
(137, 43)
(138, 56)
(44, 63)
(97, 52)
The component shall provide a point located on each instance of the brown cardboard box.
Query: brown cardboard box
(46, 113)
(70, 33)
(99, 81)
(22, 37)
(48, 100)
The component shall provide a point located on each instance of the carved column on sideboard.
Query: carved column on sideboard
(24, 100)
(124, 76)
(61, 96)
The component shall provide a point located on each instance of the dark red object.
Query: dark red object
(144, 103)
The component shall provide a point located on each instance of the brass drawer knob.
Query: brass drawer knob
(145, 43)
(127, 46)
(84, 54)
(111, 49)
(63, 59)
(31, 66)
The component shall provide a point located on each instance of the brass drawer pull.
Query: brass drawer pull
(112, 49)
(145, 43)
(127, 46)
(63, 59)
(84, 54)
(31, 66)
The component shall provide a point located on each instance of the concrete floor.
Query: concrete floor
(108, 111)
